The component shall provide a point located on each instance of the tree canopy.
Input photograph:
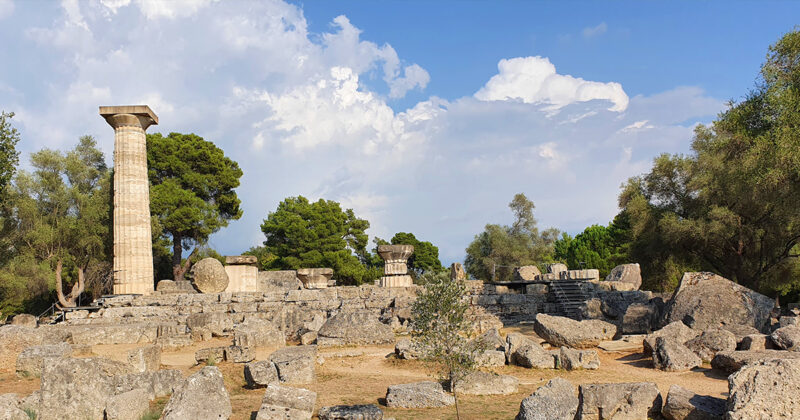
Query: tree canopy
(9, 156)
(498, 249)
(304, 234)
(597, 246)
(192, 192)
(729, 206)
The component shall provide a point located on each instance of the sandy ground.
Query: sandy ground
(360, 375)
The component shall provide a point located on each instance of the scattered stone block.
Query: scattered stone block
(555, 400)
(209, 276)
(706, 300)
(295, 364)
(561, 331)
(491, 358)
(532, 355)
(354, 327)
(787, 338)
(212, 354)
(711, 342)
(406, 349)
(672, 356)
(756, 342)
(9, 408)
(30, 361)
(627, 273)
(258, 334)
(622, 401)
(572, 359)
(239, 354)
(131, 405)
(144, 359)
(683, 404)
(786, 321)
(731, 361)
(638, 318)
(201, 396)
(308, 338)
(492, 340)
(24, 320)
(160, 383)
(283, 403)
(278, 281)
(418, 395)
(351, 412)
(260, 374)
(526, 273)
(486, 383)
(765, 390)
(676, 331)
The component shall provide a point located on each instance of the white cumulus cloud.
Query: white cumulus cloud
(593, 31)
(6, 8)
(534, 80)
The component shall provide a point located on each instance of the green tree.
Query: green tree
(597, 246)
(494, 253)
(9, 156)
(441, 326)
(192, 193)
(425, 257)
(62, 215)
(302, 234)
(729, 207)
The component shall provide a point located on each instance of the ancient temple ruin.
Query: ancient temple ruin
(133, 248)
(395, 269)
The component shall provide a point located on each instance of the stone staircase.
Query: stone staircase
(569, 295)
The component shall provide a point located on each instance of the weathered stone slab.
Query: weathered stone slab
(418, 395)
(260, 374)
(765, 390)
(201, 396)
(672, 356)
(731, 361)
(30, 361)
(284, 403)
(711, 342)
(622, 401)
(130, 405)
(486, 383)
(627, 273)
(354, 327)
(351, 412)
(560, 331)
(554, 401)
(526, 273)
(683, 404)
(677, 331)
(572, 359)
(706, 300)
(787, 338)
(296, 365)
(144, 359)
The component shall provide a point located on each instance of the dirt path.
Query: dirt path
(361, 376)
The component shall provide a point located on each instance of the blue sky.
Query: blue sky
(421, 116)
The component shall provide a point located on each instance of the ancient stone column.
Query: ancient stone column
(242, 273)
(133, 248)
(395, 269)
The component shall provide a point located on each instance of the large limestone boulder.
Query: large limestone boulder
(25, 320)
(217, 324)
(260, 374)
(676, 331)
(295, 364)
(210, 276)
(683, 404)
(15, 339)
(490, 358)
(78, 388)
(284, 403)
(557, 268)
(351, 412)
(160, 383)
(31, 360)
(258, 333)
(418, 395)
(487, 383)
(526, 273)
(711, 342)
(787, 338)
(10, 409)
(278, 281)
(639, 318)
(514, 341)
(406, 349)
(130, 405)
(492, 340)
(201, 396)
(143, 359)
(731, 361)
(765, 390)
(627, 273)
(706, 300)
(622, 401)
(756, 342)
(560, 331)
(672, 356)
(532, 355)
(572, 359)
(354, 327)
(555, 400)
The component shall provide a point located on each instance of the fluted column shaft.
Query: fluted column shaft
(133, 249)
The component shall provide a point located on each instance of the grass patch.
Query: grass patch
(30, 412)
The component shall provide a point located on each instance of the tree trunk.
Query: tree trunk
(69, 301)
(180, 268)
(62, 301)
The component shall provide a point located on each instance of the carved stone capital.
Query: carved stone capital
(139, 116)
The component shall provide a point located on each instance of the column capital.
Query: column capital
(140, 116)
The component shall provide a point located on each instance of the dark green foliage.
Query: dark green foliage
(731, 206)
(597, 246)
(9, 156)
(302, 234)
(192, 193)
(495, 252)
(425, 257)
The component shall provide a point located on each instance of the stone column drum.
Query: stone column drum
(133, 248)
(242, 273)
(395, 269)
